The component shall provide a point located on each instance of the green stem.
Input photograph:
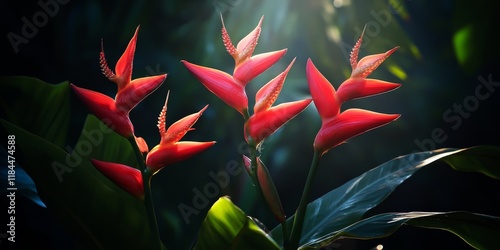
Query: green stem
(148, 202)
(246, 114)
(148, 198)
(253, 174)
(253, 164)
(285, 234)
(138, 153)
(253, 155)
(298, 221)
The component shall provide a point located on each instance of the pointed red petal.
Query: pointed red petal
(129, 96)
(104, 108)
(348, 124)
(268, 94)
(355, 50)
(323, 93)
(123, 67)
(255, 65)
(227, 42)
(263, 124)
(177, 130)
(163, 155)
(222, 85)
(369, 63)
(247, 45)
(127, 178)
(353, 88)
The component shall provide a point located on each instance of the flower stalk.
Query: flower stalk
(298, 221)
(149, 204)
(148, 197)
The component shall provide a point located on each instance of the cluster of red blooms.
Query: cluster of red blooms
(336, 128)
(115, 113)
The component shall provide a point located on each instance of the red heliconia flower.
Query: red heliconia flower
(115, 112)
(171, 150)
(266, 119)
(231, 88)
(338, 127)
(128, 178)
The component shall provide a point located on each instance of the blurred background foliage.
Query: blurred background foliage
(445, 48)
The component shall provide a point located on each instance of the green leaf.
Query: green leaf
(478, 230)
(97, 213)
(227, 227)
(40, 108)
(483, 159)
(347, 204)
(97, 141)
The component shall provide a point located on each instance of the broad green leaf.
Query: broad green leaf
(478, 230)
(227, 227)
(97, 213)
(482, 159)
(97, 141)
(347, 204)
(38, 107)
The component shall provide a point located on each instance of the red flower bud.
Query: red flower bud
(269, 191)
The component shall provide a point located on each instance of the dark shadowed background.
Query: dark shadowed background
(446, 54)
